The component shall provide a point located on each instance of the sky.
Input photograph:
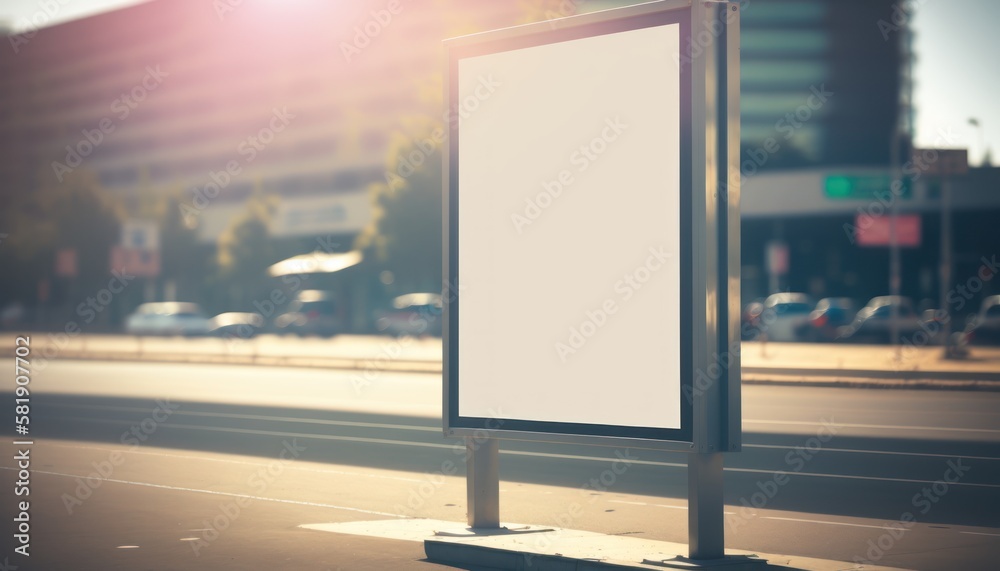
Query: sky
(957, 73)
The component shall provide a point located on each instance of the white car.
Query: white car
(167, 318)
(784, 315)
(985, 325)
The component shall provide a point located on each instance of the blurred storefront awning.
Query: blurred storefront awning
(316, 263)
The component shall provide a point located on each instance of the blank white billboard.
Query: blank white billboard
(569, 231)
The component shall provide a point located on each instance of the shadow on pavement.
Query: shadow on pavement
(832, 481)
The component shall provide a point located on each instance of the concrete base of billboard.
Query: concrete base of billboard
(537, 548)
(564, 550)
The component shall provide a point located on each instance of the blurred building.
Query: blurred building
(825, 83)
(217, 100)
(220, 98)
(819, 78)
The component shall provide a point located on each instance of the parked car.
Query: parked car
(825, 321)
(873, 323)
(167, 318)
(12, 315)
(412, 314)
(236, 324)
(312, 312)
(784, 315)
(985, 325)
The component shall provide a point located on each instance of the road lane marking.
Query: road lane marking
(886, 452)
(458, 446)
(827, 522)
(437, 429)
(849, 477)
(883, 426)
(454, 446)
(578, 457)
(275, 433)
(365, 439)
(418, 428)
(263, 417)
(216, 493)
(389, 514)
(405, 427)
(243, 462)
(658, 505)
(647, 504)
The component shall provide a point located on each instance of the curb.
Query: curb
(846, 381)
(344, 363)
(856, 378)
(889, 374)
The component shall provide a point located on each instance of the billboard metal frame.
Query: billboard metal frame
(709, 234)
(710, 267)
(535, 35)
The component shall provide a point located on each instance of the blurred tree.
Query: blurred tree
(245, 251)
(74, 214)
(183, 259)
(405, 234)
(238, 275)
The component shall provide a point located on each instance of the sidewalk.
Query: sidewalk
(179, 509)
(176, 528)
(145, 527)
(544, 548)
(802, 363)
(870, 365)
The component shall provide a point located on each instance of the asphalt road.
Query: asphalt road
(833, 473)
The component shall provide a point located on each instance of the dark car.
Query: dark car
(412, 314)
(312, 312)
(985, 326)
(825, 321)
(873, 323)
(13, 315)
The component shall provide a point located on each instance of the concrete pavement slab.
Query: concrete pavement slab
(539, 548)
(141, 528)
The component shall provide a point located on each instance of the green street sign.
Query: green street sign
(863, 187)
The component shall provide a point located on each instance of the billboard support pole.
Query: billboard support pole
(716, 192)
(705, 509)
(482, 481)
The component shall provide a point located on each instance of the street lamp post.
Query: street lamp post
(945, 271)
(982, 139)
(946, 164)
